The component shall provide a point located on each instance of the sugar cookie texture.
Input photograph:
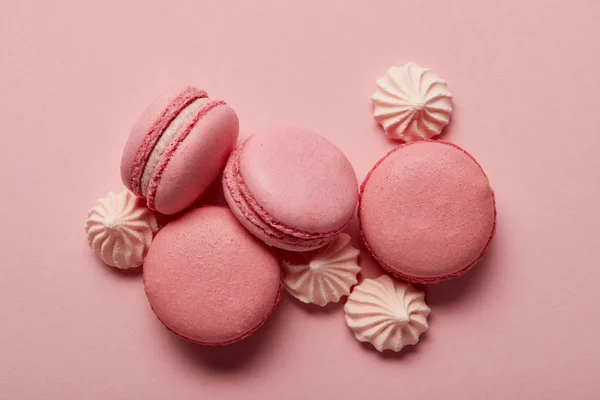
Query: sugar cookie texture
(412, 103)
(120, 229)
(386, 313)
(324, 275)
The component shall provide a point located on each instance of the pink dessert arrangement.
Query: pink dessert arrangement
(214, 274)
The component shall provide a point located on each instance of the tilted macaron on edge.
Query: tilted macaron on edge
(189, 167)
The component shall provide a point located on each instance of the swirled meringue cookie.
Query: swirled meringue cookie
(412, 103)
(324, 275)
(120, 229)
(388, 314)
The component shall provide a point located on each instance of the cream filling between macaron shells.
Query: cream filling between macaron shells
(167, 137)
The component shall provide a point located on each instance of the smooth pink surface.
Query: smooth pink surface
(208, 279)
(254, 217)
(427, 211)
(300, 179)
(75, 75)
(291, 187)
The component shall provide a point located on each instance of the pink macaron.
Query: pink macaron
(177, 148)
(209, 280)
(291, 188)
(427, 211)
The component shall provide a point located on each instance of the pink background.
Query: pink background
(75, 75)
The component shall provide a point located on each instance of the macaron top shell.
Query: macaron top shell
(427, 211)
(300, 179)
(208, 279)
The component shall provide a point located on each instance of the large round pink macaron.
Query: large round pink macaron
(427, 211)
(177, 148)
(209, 280)
(292, 188)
